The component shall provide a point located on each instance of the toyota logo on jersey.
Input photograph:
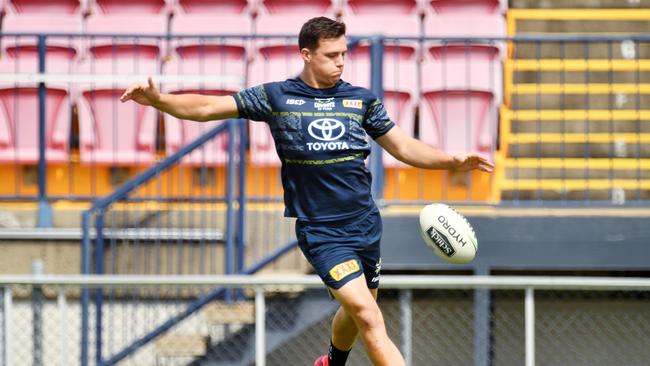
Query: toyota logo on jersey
(327, 130)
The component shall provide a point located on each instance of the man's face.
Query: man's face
(326, 61)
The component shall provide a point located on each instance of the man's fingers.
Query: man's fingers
(150, 81)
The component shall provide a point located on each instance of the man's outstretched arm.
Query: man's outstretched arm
(193, 107)
(418, 154)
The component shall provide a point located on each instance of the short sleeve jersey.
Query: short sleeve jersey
(321, 137)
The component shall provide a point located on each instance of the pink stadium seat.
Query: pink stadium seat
(19, 113)
(110, 47)
(461, 83)
(388, 7)
(135, 7)
(48, 7)
(214, 7)
(399, 81)
(65, 47)
(188, 65)
(474, 65)
(110, 132)
(387, 17)
(227, 54)
(286, 17)
(459, 121)
(467, 6)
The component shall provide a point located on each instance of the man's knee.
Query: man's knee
(368, 317)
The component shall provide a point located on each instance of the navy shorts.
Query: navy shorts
(342, 251)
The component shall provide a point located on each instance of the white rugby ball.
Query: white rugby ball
(448, 233)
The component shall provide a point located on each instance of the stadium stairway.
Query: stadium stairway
(288, 314)
(574, 124)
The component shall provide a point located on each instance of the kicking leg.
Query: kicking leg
(360, 305)
(344, 329)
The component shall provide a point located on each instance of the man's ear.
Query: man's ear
(306, 54)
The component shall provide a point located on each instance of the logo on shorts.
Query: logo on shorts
(353, 103)
(342, 270)
(377, 272)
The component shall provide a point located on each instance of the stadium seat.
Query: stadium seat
(60, 47)
(19, 113)
(442, 7)
(399, 82)
(226, 56)
(461, 83)
(128, 18)
(459, 121)
(387, 17)
(214, 7)
(286, 17)
(110, 132)
(136, 7)
(48, 7)
(180, 132)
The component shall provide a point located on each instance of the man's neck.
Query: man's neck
(309, 79)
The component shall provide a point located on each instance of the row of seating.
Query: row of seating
(459, 86)
(455, 118)
(254, 8)
(363, 17)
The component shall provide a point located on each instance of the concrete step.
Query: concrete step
(617, 196)
(579, 101)
(578, 150)
(580, 50)
(515, 173)
(580, 77)
(220, 312)
(580, 127)
(182, 345)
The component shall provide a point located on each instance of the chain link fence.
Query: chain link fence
(41, 325)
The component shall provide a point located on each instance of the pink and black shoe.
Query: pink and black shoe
(322, 361)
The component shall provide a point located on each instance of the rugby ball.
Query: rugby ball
(448, 233)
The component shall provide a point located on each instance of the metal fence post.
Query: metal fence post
(37, 316)
(529, 324)
(6, 325)
(44, 208)
(406, 324)
(260, 327)
(482, 330)
(377, 87)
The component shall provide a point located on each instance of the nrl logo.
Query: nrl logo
(324, 104)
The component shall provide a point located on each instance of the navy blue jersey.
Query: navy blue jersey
(321, 137)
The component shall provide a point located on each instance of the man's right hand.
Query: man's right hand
(142, 93)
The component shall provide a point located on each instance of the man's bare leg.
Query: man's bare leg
(358, 303)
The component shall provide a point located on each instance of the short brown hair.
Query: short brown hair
(319, 28)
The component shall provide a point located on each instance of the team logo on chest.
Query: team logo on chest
(324, 104)
(327, 131)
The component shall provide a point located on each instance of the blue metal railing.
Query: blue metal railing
(99, 208)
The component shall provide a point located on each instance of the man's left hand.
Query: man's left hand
(465, 162)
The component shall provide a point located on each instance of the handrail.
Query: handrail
(312, 281)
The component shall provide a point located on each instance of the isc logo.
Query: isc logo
(295, 102)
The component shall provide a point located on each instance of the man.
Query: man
(320, 124)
